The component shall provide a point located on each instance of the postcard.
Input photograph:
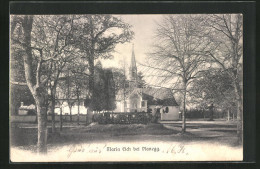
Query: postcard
(126, 87)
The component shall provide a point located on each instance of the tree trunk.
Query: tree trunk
(61, 119)
(184, 111)
(70, 113)
(42, 124)
(91, 83)
(39, 93)
(78, 109)
(228, 115)
(239, 123)
(239, 112)
(53, 114)
(91, 60)
(211, 115)
(91, 76)
(87, 117)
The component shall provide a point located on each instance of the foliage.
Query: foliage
(179, 53)
(110, 94)
(104, 90)
(140, 80)
(96, 37)
(47, 44)
(120, 79)
(21, 40)
(214, 87)
(227, 34)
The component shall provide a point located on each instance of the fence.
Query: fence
(123, 118)
(32, 119)
(193, 114)
(101, 118)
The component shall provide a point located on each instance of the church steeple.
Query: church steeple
(133, 68)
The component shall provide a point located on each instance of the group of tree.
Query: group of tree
(103, 96)
(72, 86)
(216, 87)
(188, 51)
(48, 45)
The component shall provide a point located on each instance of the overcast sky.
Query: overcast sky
(144, 27)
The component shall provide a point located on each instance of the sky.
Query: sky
(144, 27)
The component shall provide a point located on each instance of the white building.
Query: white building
(27, 110)
(154, 100)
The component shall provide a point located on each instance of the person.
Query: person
(180, 115)
(157, 115)
(211, 109)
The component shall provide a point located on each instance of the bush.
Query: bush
(124, 118)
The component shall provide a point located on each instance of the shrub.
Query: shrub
(124, 118)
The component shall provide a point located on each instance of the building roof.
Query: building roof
(154, 96)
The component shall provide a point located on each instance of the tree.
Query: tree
(98, 97)
(119, 79)
(42, 43)
(75, 85)
(21, 40)
(60, 102)
(53, 34)
(67, 86)
(79, 82)
(104, 91)
(97, 36)
(140, 80)
(228, 35)
(109, 90)
(120, 82)
(216, 87)
(179, 54)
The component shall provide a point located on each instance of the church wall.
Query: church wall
(119, 107)
(173, 113)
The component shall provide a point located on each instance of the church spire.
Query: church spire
(133, 63)
(133, 68)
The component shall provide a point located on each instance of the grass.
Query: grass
(25, 135)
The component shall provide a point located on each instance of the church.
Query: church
(149, 99)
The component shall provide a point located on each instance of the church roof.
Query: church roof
(154, 96)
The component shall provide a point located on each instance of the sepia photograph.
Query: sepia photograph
(126, 87)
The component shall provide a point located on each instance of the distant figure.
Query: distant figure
(180, 115)
(157, 115)
(211, 111)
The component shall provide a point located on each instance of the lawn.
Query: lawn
(219, 132)
(26, 134)
(212, 140)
